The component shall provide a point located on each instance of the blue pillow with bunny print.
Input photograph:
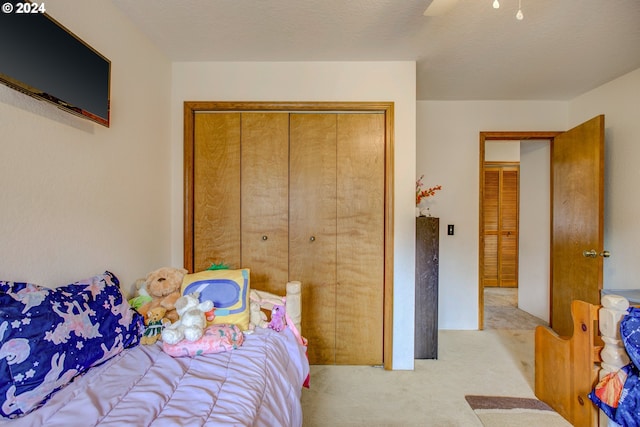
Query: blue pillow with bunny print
(49, 336)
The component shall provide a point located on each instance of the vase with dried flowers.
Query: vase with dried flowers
(424, 193)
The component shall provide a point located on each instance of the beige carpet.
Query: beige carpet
(493, 362)
(488, 362)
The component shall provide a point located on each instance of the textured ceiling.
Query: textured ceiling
(561, 49)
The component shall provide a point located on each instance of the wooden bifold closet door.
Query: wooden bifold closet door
(299, 196)
(216, 191)
(500, 226)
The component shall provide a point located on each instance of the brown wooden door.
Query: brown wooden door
(241, 194)
(337, 233)
(265, 199)
(312, 228)
(578, 212)
(500, 213)
(360, 239)
(216, 193)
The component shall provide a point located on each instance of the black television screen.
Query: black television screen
(42, 58)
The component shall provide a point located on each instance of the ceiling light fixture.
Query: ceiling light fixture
(519, 15)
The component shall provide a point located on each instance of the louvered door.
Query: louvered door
(501, 226)
(508, 245)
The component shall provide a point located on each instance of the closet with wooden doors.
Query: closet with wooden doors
(500, 213)
(296, 195)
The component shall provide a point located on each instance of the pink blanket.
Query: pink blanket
(257, 384)
(215, 339)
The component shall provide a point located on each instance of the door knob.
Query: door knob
(312, 238)
(265, 237)
(592, 254)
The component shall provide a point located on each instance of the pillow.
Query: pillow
(617, 395)
(215, 339)
(606, 393)
(227, 289)
(49, 336)
(630, 334)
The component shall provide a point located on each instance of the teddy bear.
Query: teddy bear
(164, 287)
(193, 319)
(154, 325)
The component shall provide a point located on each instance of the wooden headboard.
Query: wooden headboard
(567, 368)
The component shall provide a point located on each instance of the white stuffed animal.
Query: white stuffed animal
(257, 317)
(192, 320)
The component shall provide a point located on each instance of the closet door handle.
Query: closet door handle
(265, 237)
(312, 238)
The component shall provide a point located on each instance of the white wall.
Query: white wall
(447, 151)
(502, 151)
(619, 101)
(78, 198)
(535, 222)
(318, 81)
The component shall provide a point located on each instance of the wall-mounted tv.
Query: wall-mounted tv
(42, 58)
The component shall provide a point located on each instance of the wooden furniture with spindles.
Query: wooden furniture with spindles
(568, 368)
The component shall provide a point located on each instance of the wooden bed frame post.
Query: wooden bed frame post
(566, 368)
(614, 355)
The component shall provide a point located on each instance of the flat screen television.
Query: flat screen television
(42, 58)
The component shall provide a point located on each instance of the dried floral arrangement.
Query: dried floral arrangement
(423, 194)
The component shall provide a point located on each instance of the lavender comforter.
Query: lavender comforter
(258, 384)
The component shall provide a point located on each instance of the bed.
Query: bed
(91, 370)
(591, 378)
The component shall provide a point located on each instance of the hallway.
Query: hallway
(501, 310)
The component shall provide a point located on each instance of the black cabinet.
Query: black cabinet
(426, 311)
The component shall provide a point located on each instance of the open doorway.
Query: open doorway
(577, 223)
(514, 230)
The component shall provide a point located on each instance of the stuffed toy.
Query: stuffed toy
(192, 320)
(259, 300)
(258, 319)
(154, 325)
(163, 286)
(278, 321)
(142, 296)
